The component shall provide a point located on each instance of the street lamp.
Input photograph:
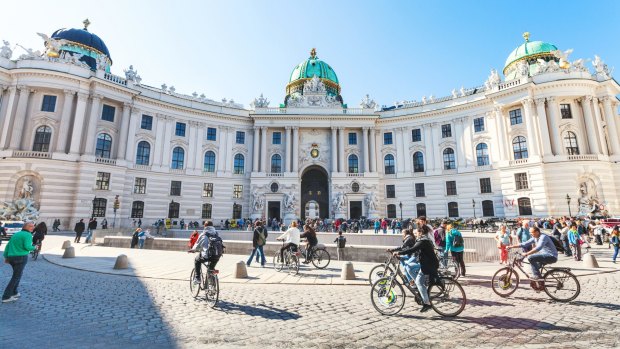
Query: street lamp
(117, 204)
(473, 205)
(401, 210)
(568, 203)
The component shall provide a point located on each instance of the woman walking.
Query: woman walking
(455, 244)
(615, 241)
(504, 240)
(258, 241)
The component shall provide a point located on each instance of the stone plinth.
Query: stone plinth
(66, 244)
(241, 272)
(121, 262)
(348, 273)
(589, 261)
(69, 252)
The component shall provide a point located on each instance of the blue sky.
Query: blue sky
(393, 50)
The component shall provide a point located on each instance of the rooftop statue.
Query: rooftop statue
(289, 202)
(30, 54)
(5, 50)
(53, 45)
(260, 102)
(368, 103)
(523, 69)
(493, 80)
(602, 71)
(579, 66)
(131, 74)
(563, 56)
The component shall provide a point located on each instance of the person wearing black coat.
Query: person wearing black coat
(258, 242)
(79, 229)
(425, 250)
(134, 238)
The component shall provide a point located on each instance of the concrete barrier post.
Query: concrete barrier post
(348, 273)
(589, 261)
(66, 244)
(69, 252)
(241, 272)
(121, 262)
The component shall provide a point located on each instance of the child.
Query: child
(192, 239)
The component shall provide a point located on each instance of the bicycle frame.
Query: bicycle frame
(395, 262)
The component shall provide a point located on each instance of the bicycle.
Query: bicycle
(210, 284)
(555, 280)
(448, 264)
(380, 271)
(320, 258)
(388, 296)
(37, 250)
(291, 260)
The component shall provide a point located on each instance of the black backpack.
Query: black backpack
(558, 245)
(216, 247)
(458, 240)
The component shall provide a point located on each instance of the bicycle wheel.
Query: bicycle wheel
(505, 282)
(194, 288)
(454, 269)
(378, 272)
(320, 258)
(387, 296)
(277, 263)
(447, 299)
(561, 285)
(212, 290)
(293, 264)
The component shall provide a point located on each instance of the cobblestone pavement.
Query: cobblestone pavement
(61, 307)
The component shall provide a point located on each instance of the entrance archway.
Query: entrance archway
(315, 187)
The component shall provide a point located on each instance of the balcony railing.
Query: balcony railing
(106, 161)
(115, 79)
(31, 154)
(518, 162)
(451, 171)
(355, 175)
(275, 174)
(177, 170)
(142, 167)
(590, 157)
(484, 168)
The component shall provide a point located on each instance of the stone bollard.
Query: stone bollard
(121, 262)
(66, 244)
(241, 272)
(69, 252)
(348, 273)
(589, 261)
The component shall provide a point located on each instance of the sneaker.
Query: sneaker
(196, 281)
(17, 295)
(425, 308)
(12, 299)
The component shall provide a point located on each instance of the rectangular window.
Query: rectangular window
(211, 134)
(175, 188)
(49, 103)
(206, 211)
(276, 138)
(478, 124)
(390, 191)
(416, 135)
(139, 186)
(515, 117)
(103, 181)
(565, 110)
(391, 211)
(237, 191)
(453, 209)
(419, 190)
(107, 113)
(99, 207)
(521, 181)
(240, 138)
(237, 211)
(387, 138)
(485, 185)
(147, 122)
(180, 129)
(207, 190)
(352, 138)
(446, 131)
(137, 209)
(450, 187)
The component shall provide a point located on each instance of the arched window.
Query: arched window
(570, 142)
(173, 209)
(519, 147)
(209, 165)
(453, 209)
(42, 138)
(353, 164)
(276, 164)
(421, 209)
(418, 162)
(487, 208)
(144, 153)
(525, 207)
(206, 211)
(137, 209)
(178, 158)
(239, 164)
(104, 146)
(449, 162)
(388, 163)
(482, 154)
(391, 211)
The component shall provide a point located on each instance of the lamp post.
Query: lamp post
(473, 205)
(401, 210)
(116, 206)
(568, 203)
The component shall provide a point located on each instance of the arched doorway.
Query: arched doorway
(315, 187)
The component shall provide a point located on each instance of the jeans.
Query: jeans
(411, 266)
(376, 230)
(384, 230)
(141, 243)
(567, 249)
(258, 250)
(616, 248)
(18, 264)
(420, 282)
(78, 236)
(576, 251)
(537, 260)
(89, 236)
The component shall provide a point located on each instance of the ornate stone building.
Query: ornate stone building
(80, 136)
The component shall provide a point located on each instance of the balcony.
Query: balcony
(31, 154)
(355, 175)
(177, 170)
(484, 168)
(115, 79)
(142, 167)
(106, 161)
(591, 157)
(275, 174)
(518, 162)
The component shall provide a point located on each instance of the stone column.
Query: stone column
(159, 145)
(91, 133)
(295, 149)
(341, 162)
(123, 140)
(427, 140)
(133, 117)
(20, 118)
(438, 156)
(494, 146)
(610, 118)
(468, 143)
(501, 129)
(78, 123)
(398, 140)
(556, 140)
(199, 156)
(256, 139)
(8, 117)
(222, 160)
(373, 150)
(460, 144)
(599, 126)
(365, 149)
(192, 145)
(586, 104)
(334, 150)
(287, 148)
(263, 149)
(532, 142)
(405, 151)
(545, 137)
(166, 157)
(229, 150)
(65, 122)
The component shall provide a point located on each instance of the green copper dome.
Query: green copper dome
(311, 67)
(529, 51)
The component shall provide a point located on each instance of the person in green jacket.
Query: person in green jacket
(454, 243)
(16, 254)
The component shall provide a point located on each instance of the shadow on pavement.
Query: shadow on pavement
(607, 306)
(487, 303)
(507, 322)
(260, 310)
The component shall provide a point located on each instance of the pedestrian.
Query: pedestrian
(92, 225)
(79, 229)
(259, 239)
(192, 239)
(134, 238)
(377, 226)
(384, 225)
(142, 236)
(574, 240)
(16, 255)
(341, 242)
(564, 238)
(504, 240)
(615, 241)
(139, 222)
(456, 245)
(104, 224)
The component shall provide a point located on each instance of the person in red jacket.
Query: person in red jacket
(192, 239)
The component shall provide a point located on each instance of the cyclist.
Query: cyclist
(408, 260)
(310, 235)
(291, 238)
(424, 248)
(542, 251)
(202, 245)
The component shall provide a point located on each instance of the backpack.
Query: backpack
(261, 237)
(458, 240)
(216, 247)
(558, 245)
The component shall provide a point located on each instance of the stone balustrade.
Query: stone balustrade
(115, 79)
(142, 167)
(355, 175)
(105, 161)
(177, 170)
(518, 162)
(31, 154)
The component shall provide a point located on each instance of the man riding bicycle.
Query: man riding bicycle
(202, 245)
(291, 239)
(542, 251)
(310, 235)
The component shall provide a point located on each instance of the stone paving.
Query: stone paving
(68, 308)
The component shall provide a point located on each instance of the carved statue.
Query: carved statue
(172, 90)
(19, 210)
(164, 87)
(368, 103)
(493, 80)
(130, 74)
(5, 50)
(563, 56)
(588, 198)
(289, 201)
(523, 69)
(260, 102)
(602, 71)
(371, 201)
(423, 99)
(579, 66)
(314, 85)
(30, 54)
(27, 189)
(462, 90)
(53, 45)
(257, 201)
(454, 94)
(543, 66)
(338, 202)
